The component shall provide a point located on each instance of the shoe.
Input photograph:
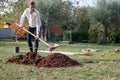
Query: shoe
(31, 49)
(35, 51)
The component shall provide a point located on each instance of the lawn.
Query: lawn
(105, 64)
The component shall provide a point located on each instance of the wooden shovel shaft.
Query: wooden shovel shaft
(35, 36)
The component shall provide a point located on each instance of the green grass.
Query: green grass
(110, 66)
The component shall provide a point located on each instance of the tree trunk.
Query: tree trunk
(105, 38)
(49, 35)
(45, 35)
(70, 35)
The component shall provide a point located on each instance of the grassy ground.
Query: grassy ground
(105, 66)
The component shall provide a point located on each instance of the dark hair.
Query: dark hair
(32, 3)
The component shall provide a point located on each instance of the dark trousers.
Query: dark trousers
(30, 38)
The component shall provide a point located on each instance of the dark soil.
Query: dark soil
(52, 60)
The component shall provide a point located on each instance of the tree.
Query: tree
(81, 24)
(101, 14)
(3, 10)
(107, 14)
(114, 13)
(53, 13)
(13, 10)
(114, 31)
(17, 10)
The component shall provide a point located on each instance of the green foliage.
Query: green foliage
(66, 36)
(55, 12)
(80, 36)
(15, 10)
(2, 19)
(101, 15)
(114, 35)
(56, 37)
(94, 30)
(93, 33)
(18, 9)
(107, 14)
(80, 25)
(77, 35)
(114, 13)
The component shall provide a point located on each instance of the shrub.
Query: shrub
(114, 35)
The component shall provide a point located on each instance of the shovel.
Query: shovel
(51, 48)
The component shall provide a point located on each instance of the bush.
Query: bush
(80, 36)
(93, 35)
(114, 35)
(66, 36)
(56, 37)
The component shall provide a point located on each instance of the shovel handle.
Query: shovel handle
(34, 36)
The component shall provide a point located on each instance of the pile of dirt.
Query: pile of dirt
(52, 60)
(57, 60)
(28, 59)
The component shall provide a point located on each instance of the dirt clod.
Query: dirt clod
(52, 60)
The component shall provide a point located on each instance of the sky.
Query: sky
(12, 0)
(85, 2)
(91, 3)
(82, 3)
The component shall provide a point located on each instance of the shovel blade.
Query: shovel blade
(53, 47)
